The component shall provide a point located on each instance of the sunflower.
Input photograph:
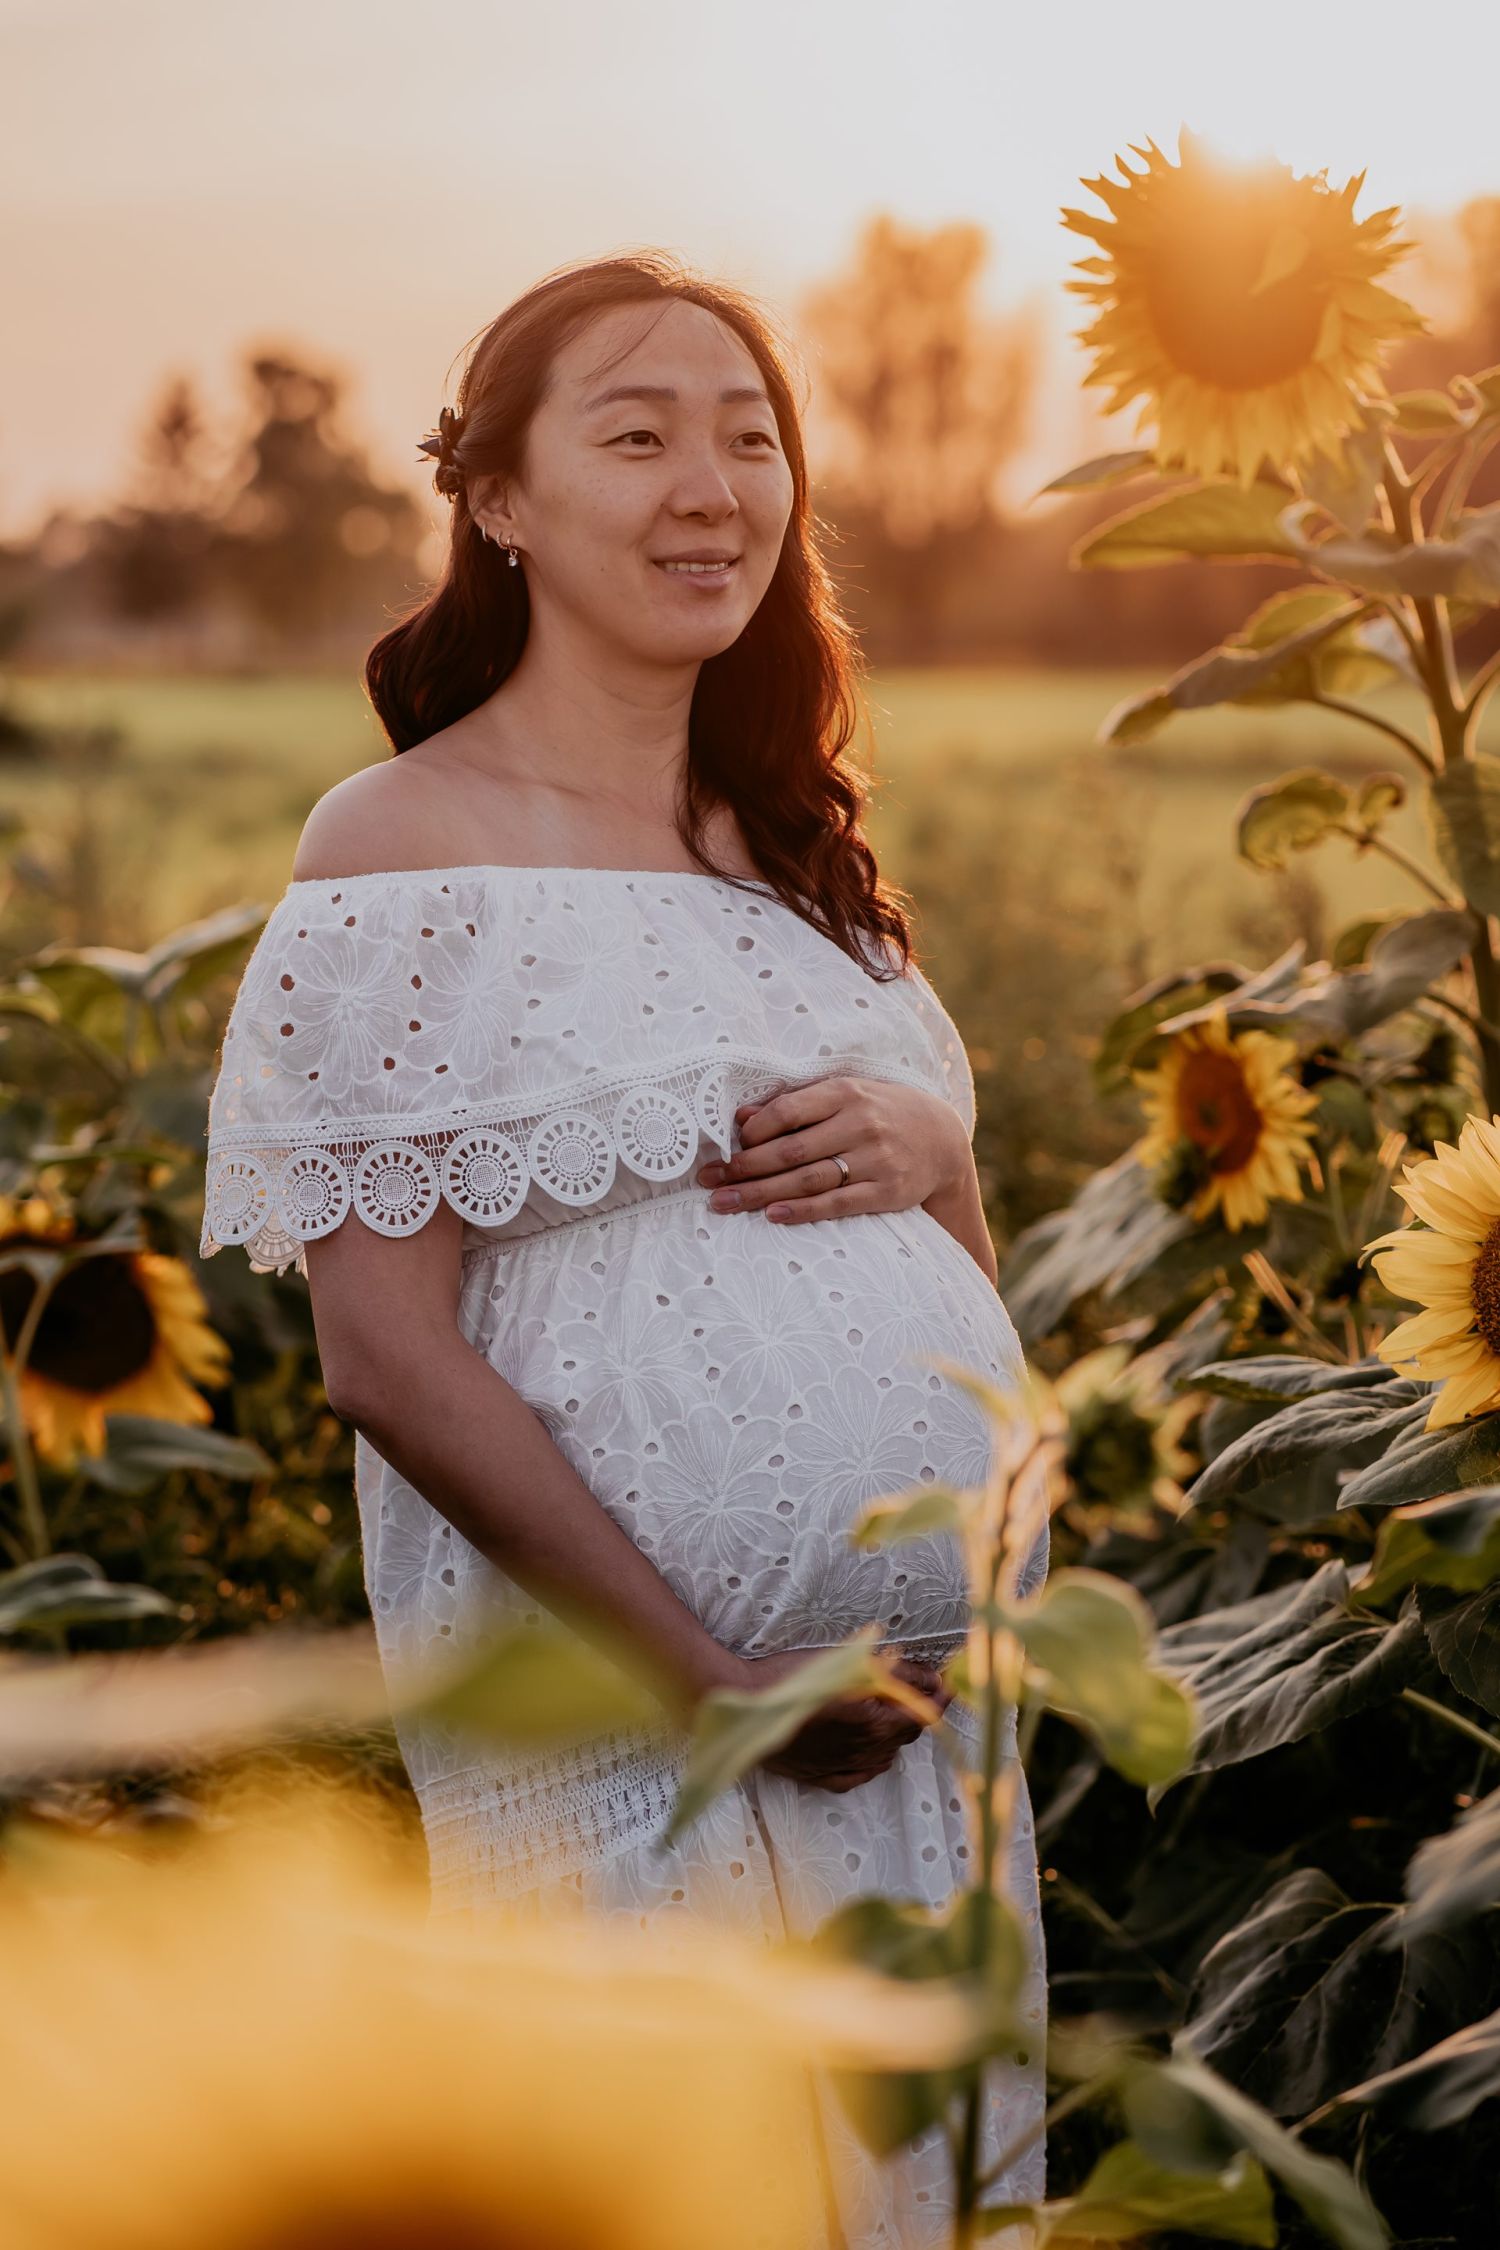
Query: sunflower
(1122, 1433)
(1451, 1266)
(123, 1332)
(1240, 303)
(264, 2043)
(1227, 1121)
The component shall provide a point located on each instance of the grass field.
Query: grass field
(200, 799)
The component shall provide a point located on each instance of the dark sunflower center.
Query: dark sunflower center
(1210, 319)
(1215, 1112)
(435, 2224)
(1484, 1290)
(98, 1329)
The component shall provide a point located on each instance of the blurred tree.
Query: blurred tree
(153, 551)
(311, 542)
(922, 402)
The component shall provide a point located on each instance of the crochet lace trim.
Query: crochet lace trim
(498, 1832)
(274, 1189)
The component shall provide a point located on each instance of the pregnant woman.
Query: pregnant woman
(584, 1070)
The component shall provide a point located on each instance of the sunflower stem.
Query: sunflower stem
(1389, 727)
(1370, 842)
(12, 1366)
(1475, 446)
(1480, 688)
(1454, 1719)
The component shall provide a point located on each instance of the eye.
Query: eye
(620, 440)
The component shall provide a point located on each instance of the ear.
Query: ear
(487, 506)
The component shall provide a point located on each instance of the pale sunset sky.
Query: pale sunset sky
(370, 181)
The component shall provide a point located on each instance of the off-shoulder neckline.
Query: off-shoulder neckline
(492, 867)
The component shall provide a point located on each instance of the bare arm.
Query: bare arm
(959, 1207)
(397, 1366)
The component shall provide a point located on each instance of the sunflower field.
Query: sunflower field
(1258, 1697)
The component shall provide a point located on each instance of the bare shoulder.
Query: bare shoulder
(382, 819)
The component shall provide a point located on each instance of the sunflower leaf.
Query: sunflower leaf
(1289, 815)
(1454, 1876)
(1440, 2088)
(1463, 566)
(1128, 2194)
(1089, 1637)
(1107, 469)
(1180, 2111)
(1423, 1464)
(1306, 1449)
(1287, 1663)
(1216, 520)
(1463, 1633)
(71, 1590)
(1452, 1541)
(1313, 1989)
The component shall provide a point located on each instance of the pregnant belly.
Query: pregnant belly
(736, 1393)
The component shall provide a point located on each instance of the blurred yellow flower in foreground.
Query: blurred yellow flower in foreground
(1222, 1104)
(1240, 303)
(122, 1332)
(258, 2039)
(1451, 1265)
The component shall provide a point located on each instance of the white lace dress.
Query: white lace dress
(556, 1051)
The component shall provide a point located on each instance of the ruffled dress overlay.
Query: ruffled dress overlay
(556, 1051)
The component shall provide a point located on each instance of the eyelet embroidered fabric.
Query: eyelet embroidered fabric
(554, 1053)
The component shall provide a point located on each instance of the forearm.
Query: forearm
(469, 1443)
(958, 1206)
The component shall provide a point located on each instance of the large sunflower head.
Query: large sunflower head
(1239, 302)
(265, 2043)
(1451, 1266)
(1227, 1122)
(122, 1332)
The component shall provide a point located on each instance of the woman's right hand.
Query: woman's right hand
(851, 1738)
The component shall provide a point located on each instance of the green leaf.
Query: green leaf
(1440, 2088)
(1463, 1632)
(1310, 1992)
(736, 1728)
(1115, 1225)
(1405, 959)
(1323, 2189)
(926, 1509)
(1379, 796)
(1242, 671)
(1218, 519)
(1426, 413)
(1463, 811)
(1287, 1663)
(1464, 566)
(1291, 814)
(903, 1939)
(71, 1590)
(1347, 489)
(1422, 1464)
(1089, 1636)
(1454, 1876)
(139, 1451)
(537, 1684)
(1107, 469)
(1292, 1465)
(1277, 1378)
(1128, 2194)
(1453, 1540)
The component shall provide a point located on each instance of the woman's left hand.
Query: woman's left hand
(902, 1144)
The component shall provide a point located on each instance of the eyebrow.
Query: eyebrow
(742, 394)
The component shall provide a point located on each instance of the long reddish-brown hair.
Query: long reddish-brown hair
(772, 717)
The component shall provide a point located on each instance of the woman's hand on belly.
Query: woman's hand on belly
(902, 1144)
(851, 1738)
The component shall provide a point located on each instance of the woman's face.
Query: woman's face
(672, 453)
